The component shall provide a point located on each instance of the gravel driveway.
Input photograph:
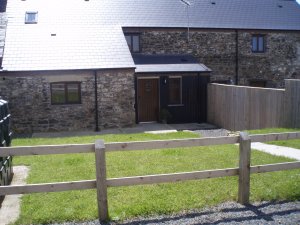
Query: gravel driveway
(226, 213)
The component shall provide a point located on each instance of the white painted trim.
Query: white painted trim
(145, 78)
(176, 105)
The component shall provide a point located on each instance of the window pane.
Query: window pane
(128, 39)
(254, 44)
(73, 93)
(174, 91)
(31, 17)
(58, 93)
(261, 44)
(136, 43)
(258, 83)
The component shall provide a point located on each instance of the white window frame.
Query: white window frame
(27, 21)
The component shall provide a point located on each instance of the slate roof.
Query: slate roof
(163, 59)
(69, 49)
(167, 63)
(236, 14)
(171, 68)
(89, 34)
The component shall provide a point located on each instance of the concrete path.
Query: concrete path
(277, 150)
(10, 209)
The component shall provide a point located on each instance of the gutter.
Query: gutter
(236, 57)
(96, 102)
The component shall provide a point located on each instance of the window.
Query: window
(258, 43)
(175, 91)
(31, 17)
(257, 83)
(133, 41)
(66, 93)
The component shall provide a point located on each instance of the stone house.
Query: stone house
(88, 65)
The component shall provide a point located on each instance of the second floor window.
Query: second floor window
(258, 43)
(133, 41)
(257, 83)
(65, 93)
(31, 17)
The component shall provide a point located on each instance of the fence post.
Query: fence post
(101, 180)
(244, 168)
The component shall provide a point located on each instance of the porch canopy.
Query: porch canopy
(167, 64)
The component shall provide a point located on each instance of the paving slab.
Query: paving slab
(161, 131)
(277, 150)
(10, 208)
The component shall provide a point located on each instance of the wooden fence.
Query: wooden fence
(244, 108)
(102, 183)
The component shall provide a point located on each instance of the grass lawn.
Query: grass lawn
(289, 143)
(126, 202)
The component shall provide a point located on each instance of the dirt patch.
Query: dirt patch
(10, 209)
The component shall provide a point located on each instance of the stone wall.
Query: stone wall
(280, 61)
(29, 97)
(214, 49)
(217, 50)
(116, 98)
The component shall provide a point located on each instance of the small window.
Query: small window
(175, 91)
(258, 83)
(258, 43)
(31, 17)
(65, 93)
(133, 41)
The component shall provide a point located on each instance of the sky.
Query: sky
(298, 1)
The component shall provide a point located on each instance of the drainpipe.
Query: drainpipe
(236, 57)
(96, 102)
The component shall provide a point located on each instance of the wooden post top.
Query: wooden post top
(244, 136)
(99, 144)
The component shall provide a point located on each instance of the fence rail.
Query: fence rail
(102, 183)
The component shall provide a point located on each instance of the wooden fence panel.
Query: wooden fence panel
(242, 108)
(292, 103)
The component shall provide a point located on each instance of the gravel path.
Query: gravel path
(212, 132)
(226, 213)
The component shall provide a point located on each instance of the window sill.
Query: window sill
(258, 52)
(66, 104)
(176, 105)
